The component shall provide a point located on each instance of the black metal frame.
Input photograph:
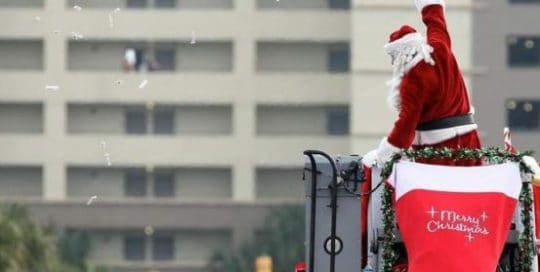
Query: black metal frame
(333, 204)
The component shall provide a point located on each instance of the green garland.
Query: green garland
(489, 155)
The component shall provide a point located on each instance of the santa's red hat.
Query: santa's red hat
(401, 32)
(405, 36)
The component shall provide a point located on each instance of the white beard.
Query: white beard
(407, 53)
(393, 100)
(405, 61)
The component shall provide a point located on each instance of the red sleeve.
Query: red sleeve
(437, 32)
(412, 97)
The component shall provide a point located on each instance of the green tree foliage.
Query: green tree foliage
(281, 237)
(26, 247)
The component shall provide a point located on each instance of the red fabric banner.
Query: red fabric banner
(455, 218)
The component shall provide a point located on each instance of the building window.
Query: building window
(337, 121)
(339, 4)
(523, 51)
(135, 183)
(165, 3)
(134, 248)
(164, 184)
(163, 248)
(136, 3)
(523, 114)
(338, 60)
(165, 59)
(525, 1)
(163, 122)
(136, 121)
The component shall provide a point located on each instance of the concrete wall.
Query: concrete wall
(21, 118)
(279, 183)
(20, 182)
(21, 55)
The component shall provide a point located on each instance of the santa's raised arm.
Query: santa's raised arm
(427, 90)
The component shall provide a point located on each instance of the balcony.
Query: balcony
(160, 183)
(21, 54)
(156, 4)
(305, 57)
(151, 56)
(149, 247)
(21, 3)
(304, 4)
(157, 119)
(21, 118)
(21, 182)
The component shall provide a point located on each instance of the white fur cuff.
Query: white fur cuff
(532, 164)
(386, 150)
(421, 4)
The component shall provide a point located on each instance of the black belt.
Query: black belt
(448, 122)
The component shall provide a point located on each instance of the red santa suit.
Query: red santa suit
(427, 90)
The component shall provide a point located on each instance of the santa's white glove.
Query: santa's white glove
(381, 155)
(370, 159)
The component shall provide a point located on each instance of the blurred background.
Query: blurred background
(167, 135)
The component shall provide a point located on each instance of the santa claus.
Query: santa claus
(427, 90)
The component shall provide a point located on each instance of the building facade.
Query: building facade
(167, 129)
(183, 121)
(507, 48)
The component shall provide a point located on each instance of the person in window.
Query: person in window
(428, 92)
(130, 59)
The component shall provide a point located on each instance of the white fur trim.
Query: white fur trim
(421, 4)
(436, 136)
(407, 52)
(399, 44)
(500, 178)
(393, 99)
(386, 150)
(532, 163)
